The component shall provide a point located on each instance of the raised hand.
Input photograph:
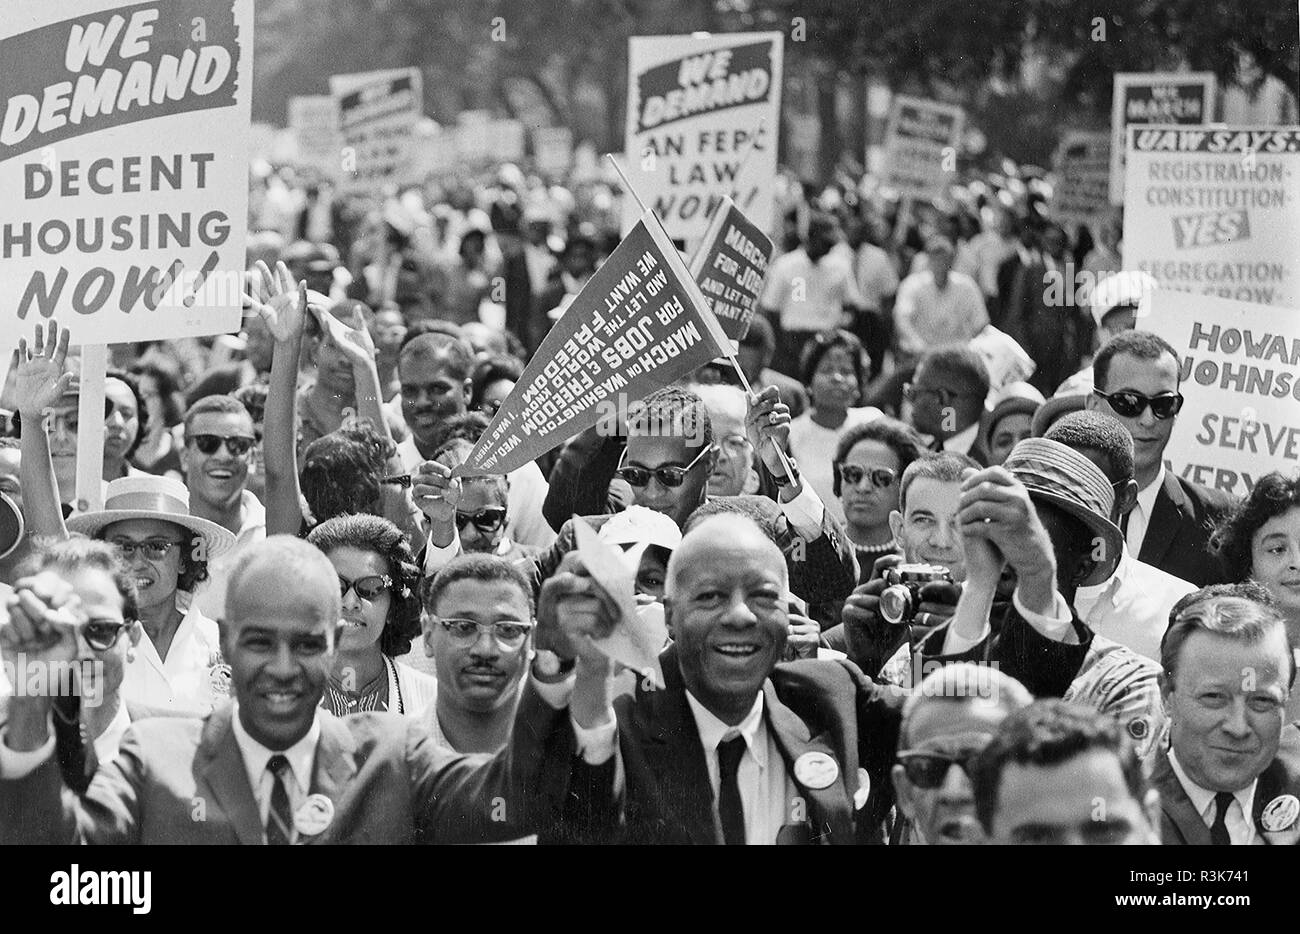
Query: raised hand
(39, 374)
(43, 618)
(354, 341)
(436, 491)
(280, 304)
(767, 423)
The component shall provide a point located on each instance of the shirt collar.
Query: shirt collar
(1147, 497)
(713, 731)
(961, 442)
(1203, 799)
(301, 755)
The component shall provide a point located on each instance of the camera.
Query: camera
(902, 594)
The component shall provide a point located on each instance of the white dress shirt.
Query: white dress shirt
(1132, 606)
(187, 682)
(1241, 828)
(765, 791)
(963, 440)
(1140, 515)
(926, 316)
(301, 756)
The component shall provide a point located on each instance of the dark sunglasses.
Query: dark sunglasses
(488, 519)
(670, 476)
(402, 479)
(101, 634)
(367, 588)
(882, 478)
(1131, 404)
(237, 445)
(928, 769)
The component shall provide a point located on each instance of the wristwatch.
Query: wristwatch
(780, 479)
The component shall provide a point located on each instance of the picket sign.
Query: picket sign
(90, 428)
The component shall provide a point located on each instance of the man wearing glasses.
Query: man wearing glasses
(1135, 376)
(217, 458)
(947, 400)
(950, 718)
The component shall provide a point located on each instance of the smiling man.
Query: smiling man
(272, 767)
(219, 449)
(736, 748)
(1228, 672)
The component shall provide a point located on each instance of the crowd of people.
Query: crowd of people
(975, 603)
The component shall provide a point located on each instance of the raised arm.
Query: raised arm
(40, 378)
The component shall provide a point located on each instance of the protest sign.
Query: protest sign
(1155, 97)
(729, 267)
(378, 111)
(314, 121)
(1216, 211)
(703, 117)
(553, 150)
(124, 157)
(639, 324)
(1081, 196)
(921, 145)
(1240, 377)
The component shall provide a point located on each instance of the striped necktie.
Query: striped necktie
(279, 820)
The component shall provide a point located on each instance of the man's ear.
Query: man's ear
(1151, 807)
(895, 523)
(1126, 497)
(903, 792)
(668, 617)
(1092, 402)
(135, 630)
(1166, 683)
(185, 457)
(467, 387)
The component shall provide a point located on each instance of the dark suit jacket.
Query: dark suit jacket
(1180, 824)
(823, 571)
(182, 781)
(1178, 534)
(810, 706)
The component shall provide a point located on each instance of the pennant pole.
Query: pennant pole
(726, 346)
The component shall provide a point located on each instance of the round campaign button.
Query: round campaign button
(219, 679)
(314, 815)
(815, 770)
(1280, 813)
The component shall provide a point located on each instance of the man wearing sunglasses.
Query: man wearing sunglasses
(947, 721)
(1135, 376)
(217, 457)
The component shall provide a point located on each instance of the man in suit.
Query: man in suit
(1135, 378)
(1231, 773)
(670, 437)
(735, 748)
(1056, 773)
(271, 767)
(947, 395)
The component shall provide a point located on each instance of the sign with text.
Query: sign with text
(1216, 211)
(378, 111)
(703, 115)
(1155, 97)
(729, 267)
(639, 324)
(921, 145)
(124, 138)
(314, 121)
(1081, 196)
(1240, 376)
(553, 150)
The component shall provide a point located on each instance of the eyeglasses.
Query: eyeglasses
(882, 478)
(927, 769)
(155, 549)
(946, 396)
(367, 588)
(101, 634)
(671, 476)
(1132, 404)
(509, 634)
(488, 519)
(237, 445)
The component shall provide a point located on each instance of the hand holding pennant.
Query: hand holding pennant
(635, 640)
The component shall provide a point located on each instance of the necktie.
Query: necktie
(730, 810)
(1123, 522)
(279, 820)
(1219, 835)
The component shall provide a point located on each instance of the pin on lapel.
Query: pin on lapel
(816, 770)
(1279, 819)
(314, 815)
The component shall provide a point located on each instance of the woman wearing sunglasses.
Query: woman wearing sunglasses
(1260, 541)
(378, 579)
(869, 462)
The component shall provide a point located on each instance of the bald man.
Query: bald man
(737, 747)
(272, 766)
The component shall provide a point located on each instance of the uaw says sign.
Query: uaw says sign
(729, 267)
(1155, 97)
(124, 165)
(921, 145)
(1216, 211)
(702, 120)
(1239, 365)
(639, 324)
